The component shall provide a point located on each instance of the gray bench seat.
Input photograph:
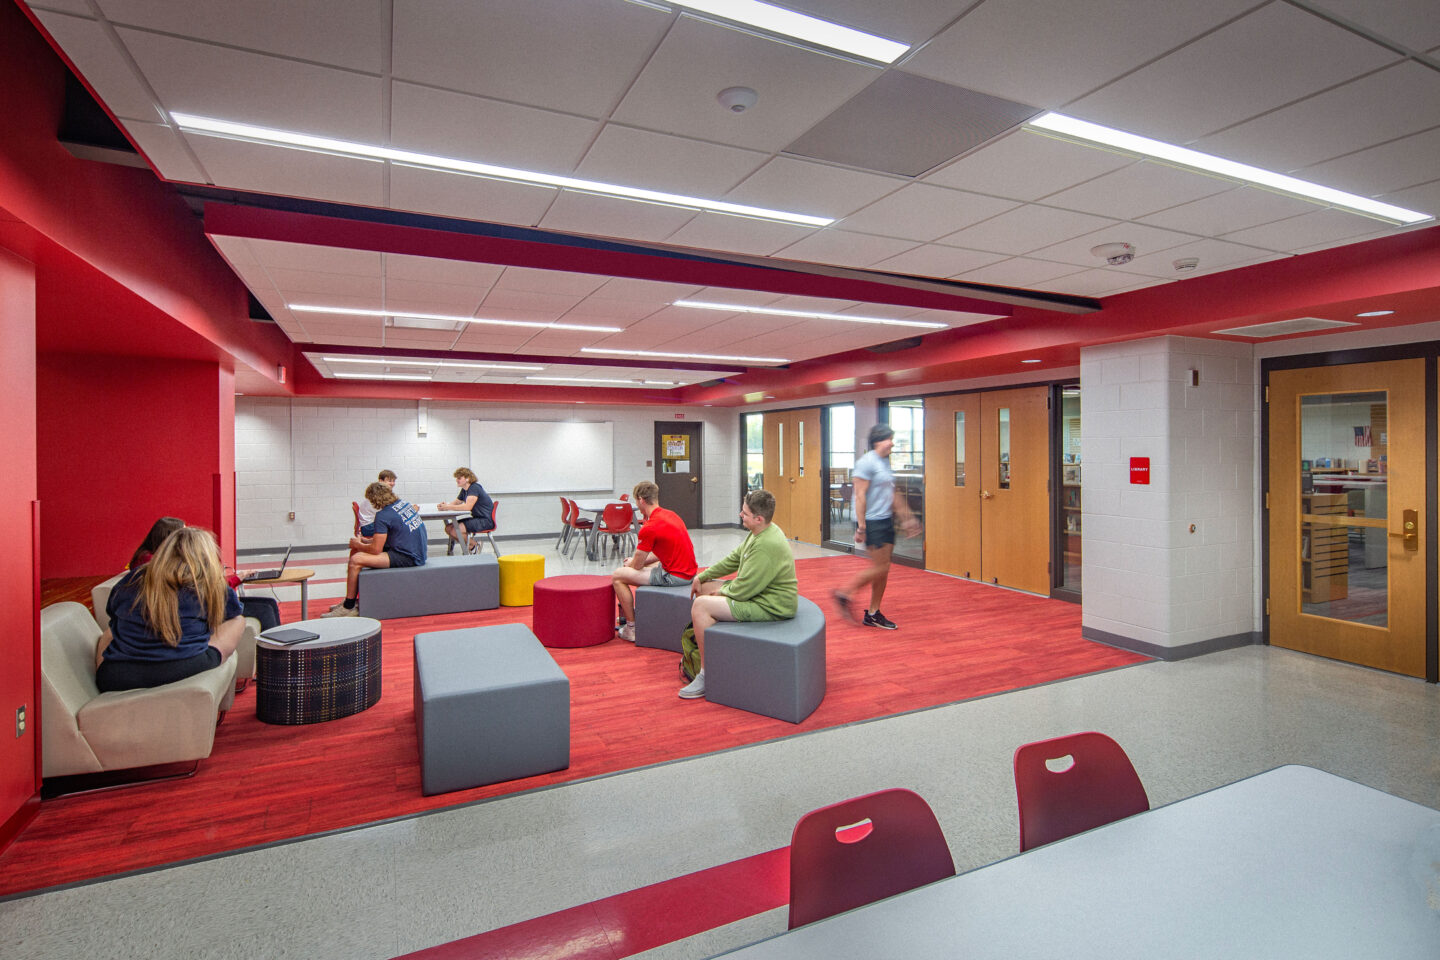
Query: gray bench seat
(661, 614)
(775, 668)
(490, 705)
(442, 585)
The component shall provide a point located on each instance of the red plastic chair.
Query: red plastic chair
(616, 522)
(564, 523)
(581, 524)
(355, 506)
(1099, 786)
(478, 538)
(857, 851)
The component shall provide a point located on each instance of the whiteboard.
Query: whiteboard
(542, 456)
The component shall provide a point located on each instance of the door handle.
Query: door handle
(1409, 531)
(694, 479)
(986, 495)
(792, 479)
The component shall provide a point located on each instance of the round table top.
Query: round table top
(288, 575)
(332, 630)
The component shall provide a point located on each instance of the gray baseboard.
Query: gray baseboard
(1183, 652)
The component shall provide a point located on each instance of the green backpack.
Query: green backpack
(689, 653)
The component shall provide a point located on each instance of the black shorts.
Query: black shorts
(878, 533)
(475, 525)
(134, 674)
(400, 560)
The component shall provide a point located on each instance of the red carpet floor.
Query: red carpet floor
(266, 783)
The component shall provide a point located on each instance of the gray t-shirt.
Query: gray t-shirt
(880, 495)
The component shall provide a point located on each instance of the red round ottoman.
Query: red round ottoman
(576, 610)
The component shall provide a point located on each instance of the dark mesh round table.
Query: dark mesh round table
(316, 680)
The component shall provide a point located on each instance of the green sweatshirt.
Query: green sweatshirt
(765, 587)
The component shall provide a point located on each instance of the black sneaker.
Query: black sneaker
(878, 619)
(846, 609)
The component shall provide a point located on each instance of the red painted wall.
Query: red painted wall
(127, 440)
(19, 772)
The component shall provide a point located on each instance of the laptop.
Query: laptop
(269, 574)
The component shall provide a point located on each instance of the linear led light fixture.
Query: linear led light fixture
(788, 23)
(429, 363)
(682, 356)
(628, 383)
(806, 314)
(356, 312)
(381, 376)
(288, 138)
(1131, 143)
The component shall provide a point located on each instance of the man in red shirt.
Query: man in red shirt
(664, 555)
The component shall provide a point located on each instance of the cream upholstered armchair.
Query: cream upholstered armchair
(244, 651)
(86, 731)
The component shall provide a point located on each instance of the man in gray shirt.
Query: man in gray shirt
(876, 507)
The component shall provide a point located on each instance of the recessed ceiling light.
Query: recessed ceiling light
(1375, 313)
(867, 383)
(1131, 143)
(805, 314)
(1029, 361)
(353, 312)
(288, 138)
(682, 356)
(430, 363)
(381, 376)
(627, 383)
(798, 26)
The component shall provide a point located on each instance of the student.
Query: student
(264, 609)
(367, 512)
(473, 498)
(764, 588)
(159, 530)
(399, 541)
(664, 555)
(170, 618)
(877, 503)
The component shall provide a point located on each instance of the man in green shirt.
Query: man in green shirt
(764, 588)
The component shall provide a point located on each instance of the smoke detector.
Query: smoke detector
(1115, 253)
(1186, 264)
(737, 99)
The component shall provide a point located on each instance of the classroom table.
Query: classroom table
(1293, 862)
(450, 515)
(596, 506)
(288, 576)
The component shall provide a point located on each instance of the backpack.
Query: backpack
(689, 653)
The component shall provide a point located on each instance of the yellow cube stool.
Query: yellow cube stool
(518, 573)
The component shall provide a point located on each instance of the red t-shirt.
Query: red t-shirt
(664, 535)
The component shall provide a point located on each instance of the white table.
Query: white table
(595, 506)
(1293, 862)
(447, 515)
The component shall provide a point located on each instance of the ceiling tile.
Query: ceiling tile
(908, 21)
(211, 81)
(1272, 56)
(535, 280)
(1291, 234)
(408, 295)
(399, 266)
(78, 7)
(1027, 166)
(922, 212)
(1227, 212)
(612, 312)
(1388, 167)
(1394, 102)
(278, 253)
(1044, 53)
(1214, 256)
(1018, 272)
(646, 291)
(300, 284)
(936, 260)
(832, 246)
(411, 337)
(1410, 22)
(597, 216)
(473, 198)
(241, 165)
(97, 58)
(303, 29)
(657, 161)
(1098, 283)
(1424, 198)
(1145, 240)
(575, 57)
(818, 189)
(487, 131)
(797, 87)
(718, 231)
(1139, 189)
(163, 147)
(237, 251)
(1025, 228)
(550, 306)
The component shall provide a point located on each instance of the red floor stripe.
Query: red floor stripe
(637, 920)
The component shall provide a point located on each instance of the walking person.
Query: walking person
(877, 505)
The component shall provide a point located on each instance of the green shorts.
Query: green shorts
(748, 611)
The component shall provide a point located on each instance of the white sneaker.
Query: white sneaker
(696, 689)
(337, 606)
(344, 611)
(627, 632)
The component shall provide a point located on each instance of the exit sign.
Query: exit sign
(1140, 470)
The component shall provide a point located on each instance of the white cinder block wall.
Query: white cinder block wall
(314, 456)
(1146, 576)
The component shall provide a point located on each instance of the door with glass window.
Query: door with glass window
(793, 472)
(1348, 503)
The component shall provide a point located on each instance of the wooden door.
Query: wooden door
(779, 432)
(793, 471)
(1348, 508)
(952, 491)
(678, 469)
(1014, 482)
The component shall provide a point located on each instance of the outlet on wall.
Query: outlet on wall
(291, 515)
(20, 720)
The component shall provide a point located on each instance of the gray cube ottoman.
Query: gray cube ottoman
(774, 668)
(490, 705)
(661, 614)
(442, 585)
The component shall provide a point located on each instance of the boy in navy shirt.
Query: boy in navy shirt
(473, 498)
(399, 541)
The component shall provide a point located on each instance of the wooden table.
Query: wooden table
(333, 676)
(288, 576)
(1293, 862)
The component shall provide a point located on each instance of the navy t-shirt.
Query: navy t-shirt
(404, 530)
(484, 506)
(133, 638)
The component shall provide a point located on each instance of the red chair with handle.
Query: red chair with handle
(476, 540)
(581, 524)
(857, 851)
(564, 523)
(1067, 785)
(355, 506)
(615, 522)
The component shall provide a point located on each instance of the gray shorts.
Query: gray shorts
(660, 578)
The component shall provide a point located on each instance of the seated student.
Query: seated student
(399, 541)
(170, 618)
(264, 609)
(159, 530)
(473, 498)
(367, 512)
(664, 555)
(764, 588)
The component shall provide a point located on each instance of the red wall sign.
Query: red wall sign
(1139, 469)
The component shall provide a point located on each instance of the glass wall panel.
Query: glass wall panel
(1070, 479)
(907, 460)
(754, 451)
(837, 469)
